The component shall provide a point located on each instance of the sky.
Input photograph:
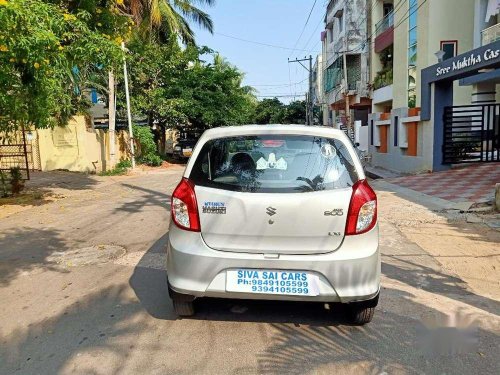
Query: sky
(275, 22)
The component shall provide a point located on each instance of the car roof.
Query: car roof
(231, 131)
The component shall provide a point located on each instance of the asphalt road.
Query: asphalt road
(83, 291)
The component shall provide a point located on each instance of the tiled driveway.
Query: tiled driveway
(474, 183)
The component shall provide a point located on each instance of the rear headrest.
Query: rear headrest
(241, 162)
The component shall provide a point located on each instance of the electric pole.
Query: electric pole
(309, 95)
(111, 121)
(129, 115)
(311, 92)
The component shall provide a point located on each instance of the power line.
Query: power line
(304, 28)
(263, 44)
(280, 96)
(314, 33)
(280, 84)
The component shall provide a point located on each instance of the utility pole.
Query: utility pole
(311, 92)
(129, 115)
(111, 120)
(309, 96)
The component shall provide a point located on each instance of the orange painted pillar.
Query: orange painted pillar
(383, 139)
(383, 133)
(412, 131)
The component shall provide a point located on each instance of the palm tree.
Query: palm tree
(159, 19)
(163, 18)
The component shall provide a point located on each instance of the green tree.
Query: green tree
(269, 111)
(215, 96)
(156, 75)
(171, 86)
(295, 112)
(46, 57)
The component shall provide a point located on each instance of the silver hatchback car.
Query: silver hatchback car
(281, 212)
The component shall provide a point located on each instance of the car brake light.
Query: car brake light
(184, 206)
(362, 214)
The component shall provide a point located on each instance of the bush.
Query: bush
(11, 183)
(120, 168)
(16, 180)
(146, 152)
(4, 185)
(152, 160)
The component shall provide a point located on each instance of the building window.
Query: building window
(341, 22)
(353, 70)
(334, 75)
(329, 33)
(388, 8)
(450, 48)
(412, 53)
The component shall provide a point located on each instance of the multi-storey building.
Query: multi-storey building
(427, 58)
(345, 61)
(319, 104)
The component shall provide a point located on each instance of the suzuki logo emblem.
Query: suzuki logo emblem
(271, 211)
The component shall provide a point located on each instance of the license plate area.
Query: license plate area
(187, 151)
(278, 282)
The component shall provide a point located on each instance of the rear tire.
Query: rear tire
(183, 308)
(361, 315)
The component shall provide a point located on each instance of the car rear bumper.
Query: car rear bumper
(350, 273)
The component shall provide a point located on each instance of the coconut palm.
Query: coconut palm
(160, 19)
(163, 18)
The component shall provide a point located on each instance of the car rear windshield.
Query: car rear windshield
(274, 163)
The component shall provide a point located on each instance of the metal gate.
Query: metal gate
(21, 151)
(471, 134)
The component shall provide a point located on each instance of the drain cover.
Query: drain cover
(86, 256)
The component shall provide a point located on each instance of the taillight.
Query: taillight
(362, 214)
(184, 207)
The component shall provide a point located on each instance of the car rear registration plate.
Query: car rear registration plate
(294, 283)
(187, 151)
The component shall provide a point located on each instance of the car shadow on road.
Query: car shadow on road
(149, 281)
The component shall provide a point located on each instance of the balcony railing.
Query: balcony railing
(386, 23)
(491, 34)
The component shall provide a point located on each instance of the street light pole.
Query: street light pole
(129, 115)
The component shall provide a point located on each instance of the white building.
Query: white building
(345, 57)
